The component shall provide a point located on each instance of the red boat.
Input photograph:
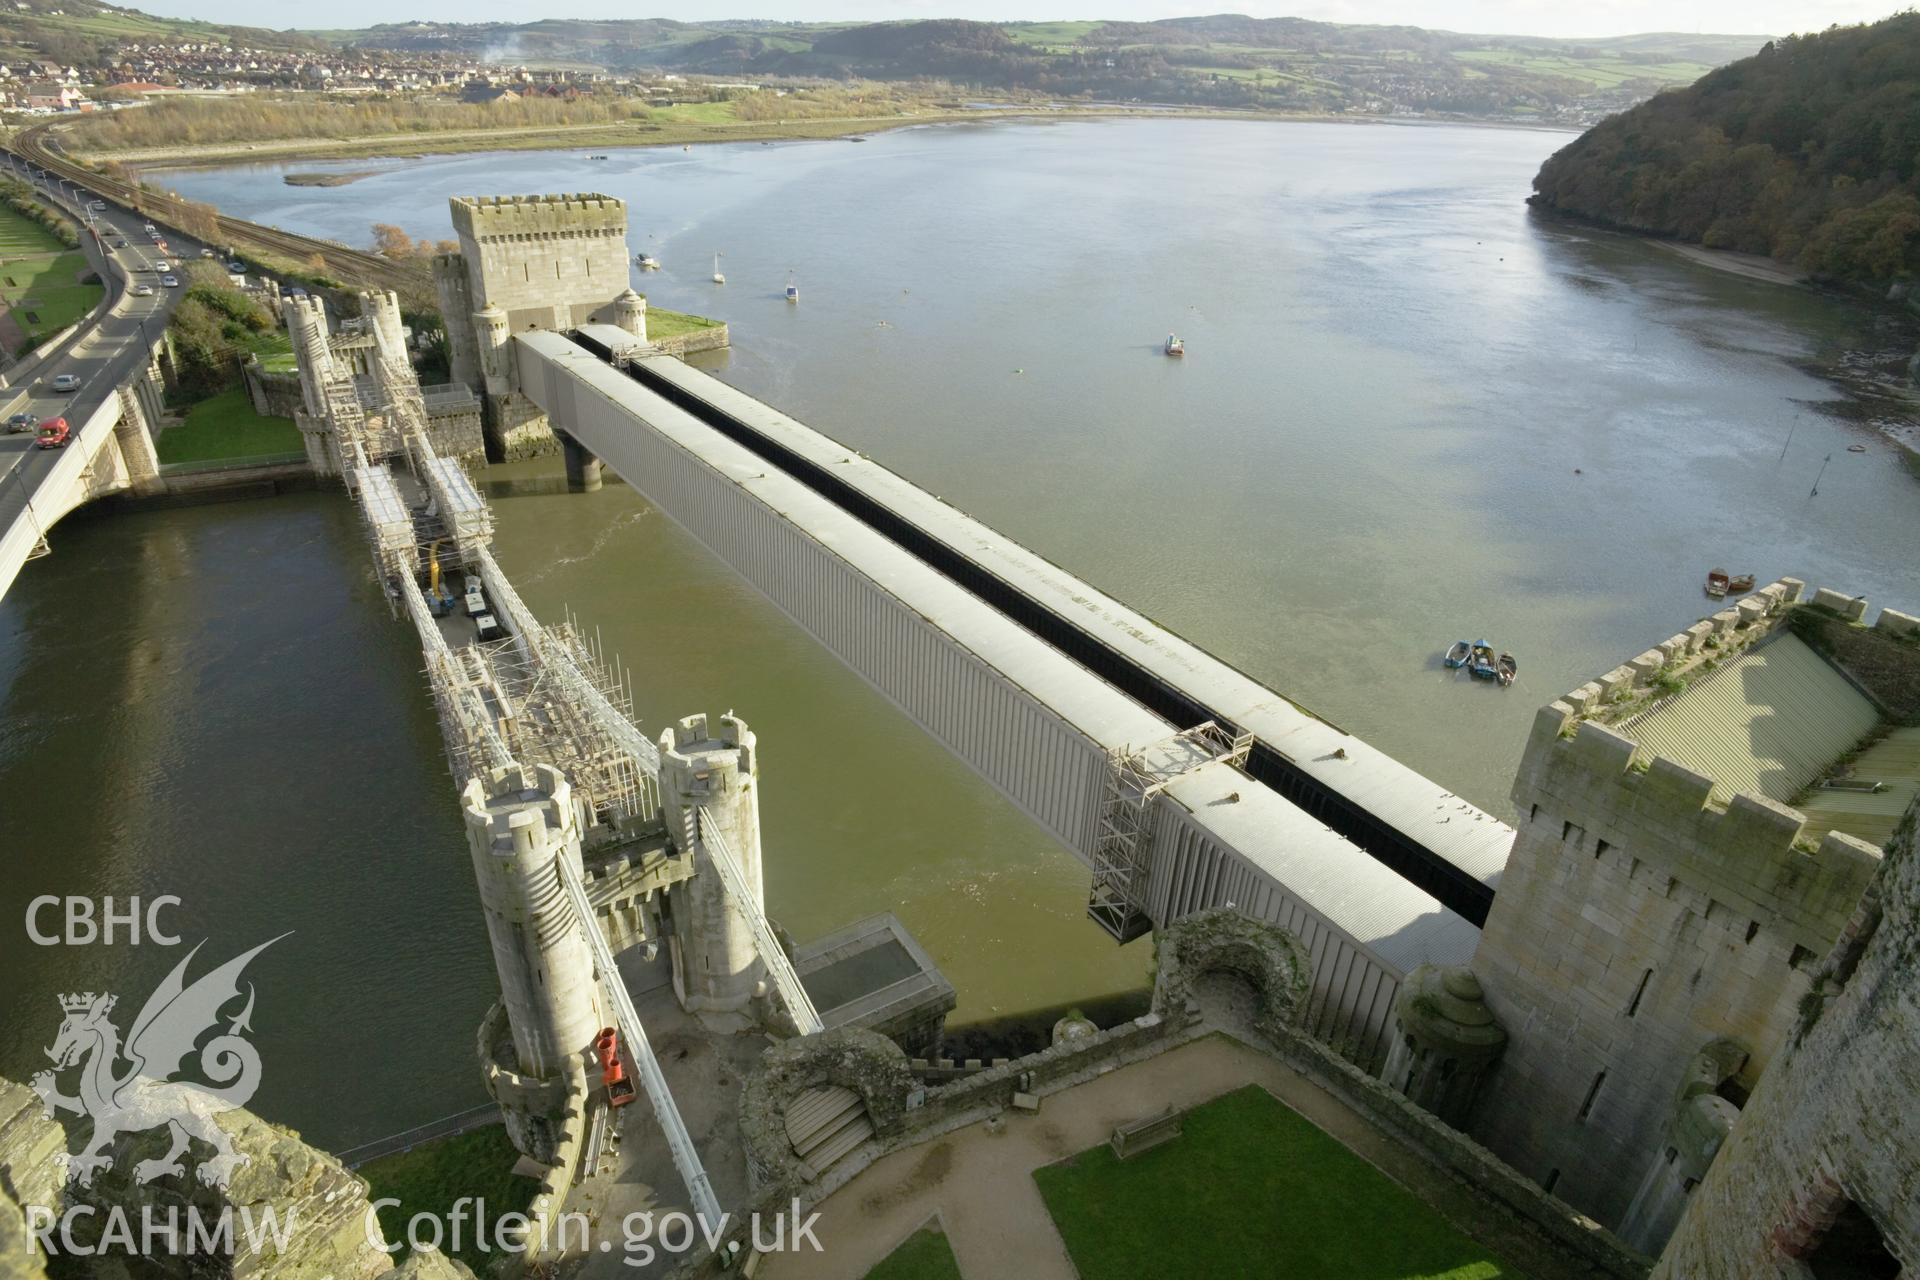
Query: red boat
(606, 1047)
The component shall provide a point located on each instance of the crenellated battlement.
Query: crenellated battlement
(486, 219)
(1634, 687)
(1745, 862)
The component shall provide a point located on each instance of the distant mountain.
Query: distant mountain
(1808, 151)
(1224, 60)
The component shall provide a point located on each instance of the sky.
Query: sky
(1504, 17)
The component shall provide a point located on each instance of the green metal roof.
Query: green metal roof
(1769, 722)
(1893, 761)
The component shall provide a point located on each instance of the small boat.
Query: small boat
(1717, 583)
(646, 261)
(793, 289)
(1741, 585)
(719, 277)
(1509, 668)
(1483, 665)
(1856, 448)
(1175, 347)
(1458, 655)
(596, 157)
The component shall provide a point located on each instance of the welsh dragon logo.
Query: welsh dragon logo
(140, 1095)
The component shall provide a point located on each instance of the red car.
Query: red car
(54, 434)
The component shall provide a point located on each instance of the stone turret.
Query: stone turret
(717, 969)
(630, 313)
(1445, 1041)
(520, 822)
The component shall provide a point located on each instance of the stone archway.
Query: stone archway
(816, 1099)
(1246, 973)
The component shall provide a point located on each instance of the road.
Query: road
(101, 357)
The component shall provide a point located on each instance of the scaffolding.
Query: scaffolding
(1123, 841)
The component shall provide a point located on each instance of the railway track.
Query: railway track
(354, 267)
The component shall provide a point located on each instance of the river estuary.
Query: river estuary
(1410, 412)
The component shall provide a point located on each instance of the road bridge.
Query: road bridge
(112, 356)
(1157, 794)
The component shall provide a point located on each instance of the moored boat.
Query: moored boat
(646, 261)
(1175, 347)
(1509, 668)
(1717, 583)
(1742, 583)
(1483, 665)
(1457, 656)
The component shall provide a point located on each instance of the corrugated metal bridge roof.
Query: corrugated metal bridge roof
(1769, 722)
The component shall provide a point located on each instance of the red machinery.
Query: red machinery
(613, 1075)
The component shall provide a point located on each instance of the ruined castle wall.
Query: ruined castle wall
(1834, 1121)
(1637, 922)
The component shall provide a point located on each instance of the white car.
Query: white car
(143, 291)
(66, 382)
(172, 282)
(206, 253)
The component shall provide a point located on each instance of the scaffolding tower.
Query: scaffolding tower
(1123, 841)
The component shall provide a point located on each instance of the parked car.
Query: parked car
(238, 267)
(54, 434)
(206, 253)
(172, 282)
(21, 422)
(66, 382)
(143, 291)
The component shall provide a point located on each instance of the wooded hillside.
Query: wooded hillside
(1807, 151)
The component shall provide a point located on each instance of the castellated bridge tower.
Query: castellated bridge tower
(520, 822)
(529, 262)
(717, 971)
(1664, 911)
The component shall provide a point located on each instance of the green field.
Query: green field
(40, 278)
(662, 323)
(924, 1255)
(1602, 73)
(1251, 1189)
(430, 1179)
(225, 428)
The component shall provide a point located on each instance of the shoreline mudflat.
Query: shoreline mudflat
(1750, 265)
(217, 155)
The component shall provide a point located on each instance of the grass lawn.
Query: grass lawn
(1251, 1189)
(428, 1179)
(662, 323)
(924, 1255)
(20, 235)
(39, 277)
(226, 427)
(275, 350)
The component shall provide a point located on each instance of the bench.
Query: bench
(1141, 1135)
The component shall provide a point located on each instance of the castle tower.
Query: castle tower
(529, 262)
(1445, 1041)
(717, 969)
(1817, 1178)
(520, 822)
(1648, 909)
(381, 308)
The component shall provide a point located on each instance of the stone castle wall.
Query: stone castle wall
(1637, 922)
(1832, 1132)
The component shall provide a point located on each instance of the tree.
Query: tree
(390, 241)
